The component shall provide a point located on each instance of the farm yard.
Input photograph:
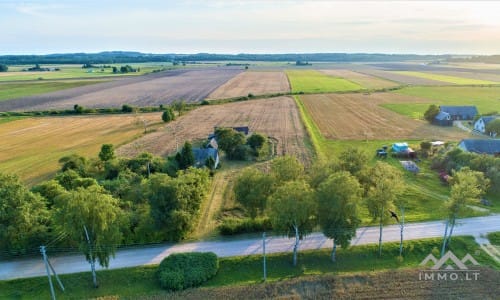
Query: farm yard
(191, 85)
(32, 147)
(447, 78)
(360, 117)
(276, 117)
(367, 81)
(312, 81)
(251, 82)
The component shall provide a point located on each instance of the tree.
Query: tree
(107, 152)
(338, 199)
(231, 142)
(431, 113)
(186, 157)
(467, 188)
(383, 186)
(353, 160)
(127, 108)
(291, 211)
(256, 141)
(401, 202)
(24, 217)
(168, 115)
(493, 127)
(91, 218)
(74, 162)
(3, 68)
(286, 168)
(179, 106)
(252, 188)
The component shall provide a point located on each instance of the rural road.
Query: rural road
(234, 247)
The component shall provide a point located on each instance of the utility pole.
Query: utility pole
(264, 252)
(44, 254)
(92, 261)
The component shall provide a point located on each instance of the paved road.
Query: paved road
(235, 247)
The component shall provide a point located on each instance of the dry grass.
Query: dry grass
(367, 81)
(276, 117)
(32, 147)
(393, 76)
(359, 117)
(257, 83)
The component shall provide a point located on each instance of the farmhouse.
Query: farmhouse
(201, 155)
(481, 123)
(459, 112)
(491, 147)
(443, 119)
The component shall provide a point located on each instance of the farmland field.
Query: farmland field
(359, 117)
(393, 76)
(276, 117)
(311, 81)
(446, 78)
(16, 90)
(190, 85)
(471, 75)
(31, 147)
(367, 81)
(486, 99)
(257, 83)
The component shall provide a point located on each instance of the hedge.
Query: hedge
(232, 226)
(184, 270)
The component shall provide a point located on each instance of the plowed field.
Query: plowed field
(276, 117)
(257, 83)
(367, 81)
(359, 117)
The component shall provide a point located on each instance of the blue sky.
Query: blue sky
(154, 26)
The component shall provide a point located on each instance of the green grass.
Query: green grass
(15, 90)
(311, 81)
(486, 99)
(133, 282)
(494, 238)
(9, 119)
(446, 78)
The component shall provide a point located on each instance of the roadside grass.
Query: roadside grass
(446, 78)
(16, 90)
(494, 238)
(245, 270)
(311, 81)
(9, 119)
(484, 98)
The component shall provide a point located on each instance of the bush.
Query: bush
(184, 270)
(231, 226)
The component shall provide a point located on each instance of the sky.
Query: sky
(232, 26)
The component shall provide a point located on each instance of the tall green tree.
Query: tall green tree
(353, 160)
(168, 115)
(431, 113)
(338, 198)
(231, 142)
(466, 189)
(186, 157)
(107, 152)
(252, 188)
(286, 168)
(291, 210)
(24, 217)
(384, 185)
(91, 218)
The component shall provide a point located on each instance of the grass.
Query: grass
(311, 81)
(486, 99)
(16, 90)
(494, 238)
(244, 270)
(446, 78)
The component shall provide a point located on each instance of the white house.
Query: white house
(481, 123)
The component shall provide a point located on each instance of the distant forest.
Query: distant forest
(491, 59)
(137, 57)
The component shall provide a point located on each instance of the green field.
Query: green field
(21, 89)
(446, 78)
(311, 81)
(75, 71)
(244, 270)
(486, 99)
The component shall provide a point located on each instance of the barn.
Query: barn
(481, 146)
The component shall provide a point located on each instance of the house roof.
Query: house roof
(481, 146)
(488, 119)
(442, 116)
(459, 110)
(212, 143)
(202, 154)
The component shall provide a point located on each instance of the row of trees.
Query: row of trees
(4, 68)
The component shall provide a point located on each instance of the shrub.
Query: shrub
(231, 226)
(184, 270)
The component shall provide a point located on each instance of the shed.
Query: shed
(399, 147)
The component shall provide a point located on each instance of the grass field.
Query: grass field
(447, 78)
(486, 99)
(311, 81)
(16, 90)
(31, 147)
(366, 81)
(247, 270)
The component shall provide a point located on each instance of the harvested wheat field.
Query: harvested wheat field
(276, 117)
(256, 83)
(405, 79)
(359, 117)
(367, 81)
(32, 147)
